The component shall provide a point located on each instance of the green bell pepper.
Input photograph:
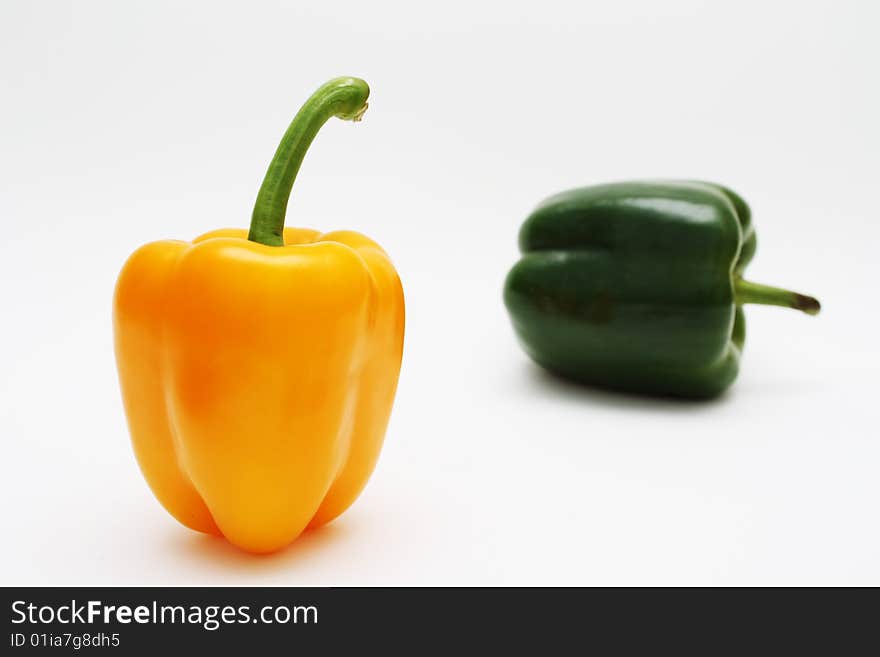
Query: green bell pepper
(638, 286)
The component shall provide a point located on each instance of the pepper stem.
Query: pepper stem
(748, 292)
(345, 98)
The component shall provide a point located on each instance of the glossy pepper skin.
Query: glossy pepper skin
(258, 374)
(638, 287)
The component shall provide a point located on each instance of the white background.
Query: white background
(123, 123)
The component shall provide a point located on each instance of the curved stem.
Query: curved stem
(748, 292)
(345, 98)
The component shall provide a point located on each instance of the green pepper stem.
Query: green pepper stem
(345, 98)
(748, 292)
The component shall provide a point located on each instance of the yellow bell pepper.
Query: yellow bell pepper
(258, 369)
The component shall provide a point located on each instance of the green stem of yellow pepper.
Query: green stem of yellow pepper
(345, 98)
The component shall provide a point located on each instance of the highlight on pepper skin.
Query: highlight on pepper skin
(258, 367)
